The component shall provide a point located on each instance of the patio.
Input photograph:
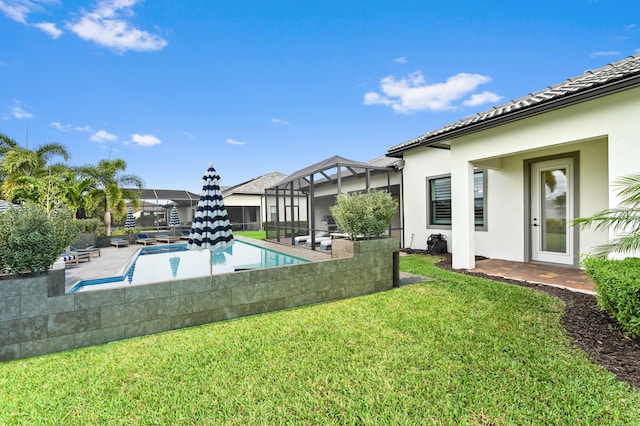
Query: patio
(557, 276)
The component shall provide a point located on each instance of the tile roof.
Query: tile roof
(608, 79)
(256, 185)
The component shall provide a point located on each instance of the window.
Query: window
(273, 214)
(439, 199)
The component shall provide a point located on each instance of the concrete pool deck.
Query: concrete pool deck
(114, 261)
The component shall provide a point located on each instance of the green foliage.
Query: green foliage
(623, 220)
(32, 239)
(367, 214)
(87, 226)
(618, 289)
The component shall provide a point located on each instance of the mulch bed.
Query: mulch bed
(593, 330)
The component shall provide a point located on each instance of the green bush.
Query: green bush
(87, 226)
(366, 214)
(32, 239)
(618, 289)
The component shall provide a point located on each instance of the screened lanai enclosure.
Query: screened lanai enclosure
(300, 203)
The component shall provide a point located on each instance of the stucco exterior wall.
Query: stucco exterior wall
(603, 131)
(35, 321)
(583, 127)
(420, 164)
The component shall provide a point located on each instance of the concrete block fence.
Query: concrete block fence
(36, 317)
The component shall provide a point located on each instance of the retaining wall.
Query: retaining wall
(37, 318)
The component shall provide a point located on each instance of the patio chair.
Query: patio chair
(93, 251)
(305, 238)
(71, 258)
(184, 235)
(164, 238)
(318, 240)
(326, 244)
(144, 239)
(119, 242)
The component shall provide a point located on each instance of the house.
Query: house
(156, 204)
(246, 203)
(314, 188)
(507, 182)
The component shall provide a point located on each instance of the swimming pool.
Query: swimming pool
(175, 262)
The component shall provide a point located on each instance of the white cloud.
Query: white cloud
(20, 113)
(144, 140)
(103, 136)
(604, 53)
(83, 129)
(411, 93)
(18, 10)
(107, 26)
(481, 99)
(234, 142)
(49, 28)
(60, 126)
(279, 121)
(400, 60)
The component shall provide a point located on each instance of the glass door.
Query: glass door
(552, 211)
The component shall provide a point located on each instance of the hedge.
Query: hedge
(618, 290)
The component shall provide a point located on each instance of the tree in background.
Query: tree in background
(109, 194)
(26, 173)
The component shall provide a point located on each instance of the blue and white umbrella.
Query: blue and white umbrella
(130, 222)
(174, 219)
(211, 229)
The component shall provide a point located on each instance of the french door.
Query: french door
(552, 208)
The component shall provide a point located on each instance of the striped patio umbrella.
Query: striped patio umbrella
(174, 219)
(130, 222)
(211, 229)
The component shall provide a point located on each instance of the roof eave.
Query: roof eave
(520, 114)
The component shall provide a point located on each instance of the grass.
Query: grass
(457, 350)
(257, 235)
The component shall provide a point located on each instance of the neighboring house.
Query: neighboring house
(313, 189)
(246, 204)
(507, 182)
(156, 205)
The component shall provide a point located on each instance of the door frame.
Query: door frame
(528, 164)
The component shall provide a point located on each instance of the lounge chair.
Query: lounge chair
(301, 239)
(326, 244)
(184, 235)
(164, 238)
(73, 258)
(318, 240)
(144, 239)
(93, 251)
(119, 242)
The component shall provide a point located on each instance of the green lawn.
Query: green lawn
(257, 235)
(457, 350)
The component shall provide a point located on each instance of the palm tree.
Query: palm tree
(75, 192)
(109, 194)
(623, 220)
(18, 162)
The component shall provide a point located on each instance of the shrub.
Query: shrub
(365, 214)
(32, 239)
(87, 226)
(618, 290)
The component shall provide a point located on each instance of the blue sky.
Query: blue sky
(259, 86)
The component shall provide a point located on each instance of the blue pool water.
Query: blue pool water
(175, 262)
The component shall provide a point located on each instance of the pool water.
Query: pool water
(175, 262)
